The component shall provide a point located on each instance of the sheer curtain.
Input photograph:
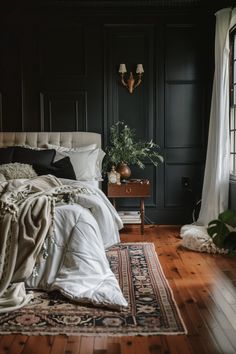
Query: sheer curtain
(216, 177)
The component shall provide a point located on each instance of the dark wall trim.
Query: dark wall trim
(232, 195)
(1, 123)
(73, 106)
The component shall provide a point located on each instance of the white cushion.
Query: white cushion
(84, 164)
(86, 160)
(17, 170)
(60, 150)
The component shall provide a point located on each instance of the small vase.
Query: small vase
(123, 170)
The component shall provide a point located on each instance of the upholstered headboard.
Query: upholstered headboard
(39, 139)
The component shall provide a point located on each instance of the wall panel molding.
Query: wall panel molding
(184, 115)
(176, 195)
(63, 111)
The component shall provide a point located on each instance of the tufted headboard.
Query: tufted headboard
(39, 139)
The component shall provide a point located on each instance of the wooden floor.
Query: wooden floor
(204, 287)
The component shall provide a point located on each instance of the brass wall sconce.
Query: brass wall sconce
(131, 83)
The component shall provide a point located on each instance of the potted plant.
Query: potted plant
(223, 231)
(124, 150)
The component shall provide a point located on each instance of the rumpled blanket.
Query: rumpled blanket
(26, 220)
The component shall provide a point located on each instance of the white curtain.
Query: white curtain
(216, 177)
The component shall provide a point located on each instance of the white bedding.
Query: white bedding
(76, 262)
(96, 184)
(72, 259)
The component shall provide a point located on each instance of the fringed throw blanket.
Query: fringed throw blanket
(26, 215)
(26, 230)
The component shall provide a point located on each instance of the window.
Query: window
(233, 104)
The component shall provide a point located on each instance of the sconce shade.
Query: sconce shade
(122, 69)
(139, 69)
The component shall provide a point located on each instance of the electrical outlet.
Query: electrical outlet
(186, 182)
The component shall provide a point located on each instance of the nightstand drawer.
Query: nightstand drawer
(129, 190)
(133, 189)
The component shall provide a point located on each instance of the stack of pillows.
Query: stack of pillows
(83, 163)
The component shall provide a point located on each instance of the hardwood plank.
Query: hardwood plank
(100, 344)
(141, 344)
(72, 345)
(157, 346)
(37, 345)
(178, 345)
(17, 345)
(6, 343)
(127, 345)
(113, 346)
(86, 345)
(58, 345)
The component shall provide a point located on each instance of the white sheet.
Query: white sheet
(95, 184)
(76, 263)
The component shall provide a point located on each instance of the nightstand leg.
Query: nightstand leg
(142, 215)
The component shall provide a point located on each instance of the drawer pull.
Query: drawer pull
(128, 190)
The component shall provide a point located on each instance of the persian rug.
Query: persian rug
(151, 311)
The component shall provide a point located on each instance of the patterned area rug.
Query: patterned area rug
(152, 309)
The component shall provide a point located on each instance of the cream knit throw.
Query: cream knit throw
(26, 219)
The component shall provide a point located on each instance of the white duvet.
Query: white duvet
(75, 261)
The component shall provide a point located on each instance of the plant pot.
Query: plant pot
(123, 170)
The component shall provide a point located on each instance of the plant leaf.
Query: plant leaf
(124, 147)
(218, 231)
(228, 217)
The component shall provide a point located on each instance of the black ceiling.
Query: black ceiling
(162, 3)
(138, 5)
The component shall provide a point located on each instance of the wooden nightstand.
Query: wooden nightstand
(131, 189)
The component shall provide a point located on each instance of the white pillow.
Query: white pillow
(84, 164)
(61, 149)
(100, 158)
(83, 161)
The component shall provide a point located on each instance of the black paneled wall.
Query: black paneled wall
(59, 72)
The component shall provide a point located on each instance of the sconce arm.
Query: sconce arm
(122, 79)
(139, 80)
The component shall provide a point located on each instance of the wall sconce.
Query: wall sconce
(131, 83)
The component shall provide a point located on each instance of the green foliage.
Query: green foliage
(218, 232)
(123, 147)
(222, 231)
(228, 217)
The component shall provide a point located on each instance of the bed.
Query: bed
(54, 231)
